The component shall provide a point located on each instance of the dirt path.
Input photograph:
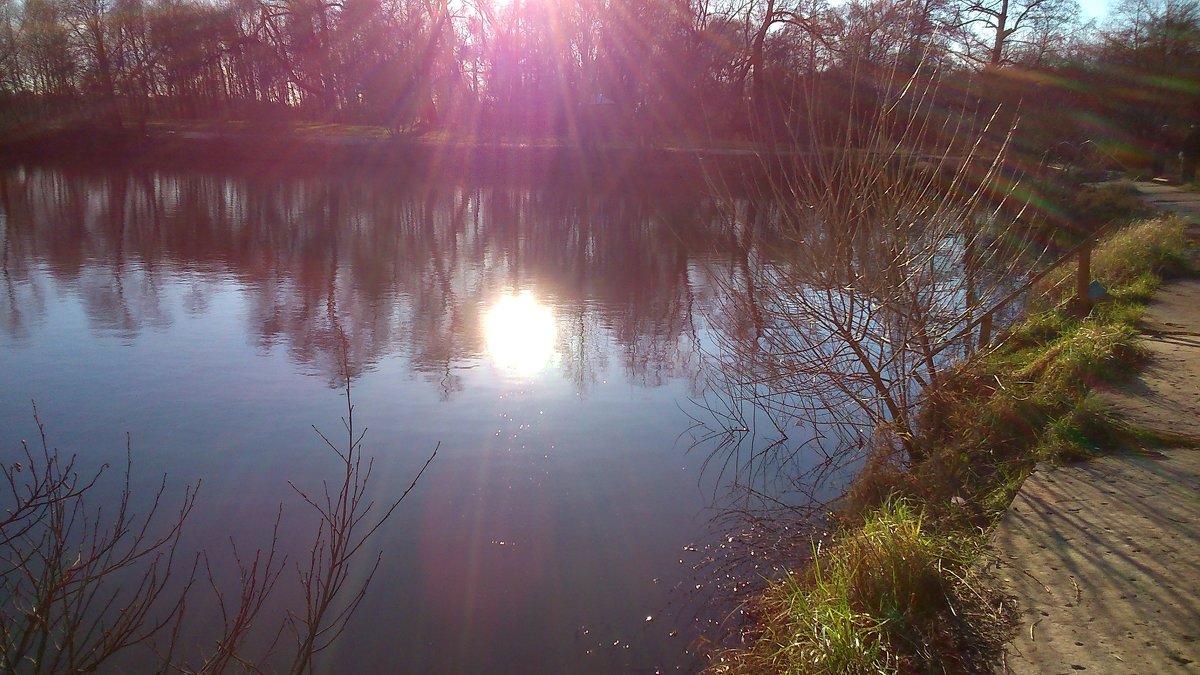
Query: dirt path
(1104, 557)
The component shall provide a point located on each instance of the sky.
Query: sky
(1094, 9)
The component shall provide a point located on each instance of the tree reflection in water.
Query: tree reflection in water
(397, 267)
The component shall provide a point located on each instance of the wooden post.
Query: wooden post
(1083, 279)
(972, 299)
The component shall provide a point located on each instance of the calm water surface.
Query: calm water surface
(549, 338)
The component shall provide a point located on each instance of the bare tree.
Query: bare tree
(49, 67)
(992, 32)
(91, 25)
(863, 279)
(10, 62)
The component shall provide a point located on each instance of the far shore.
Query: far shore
(339, 143)
(324, 146)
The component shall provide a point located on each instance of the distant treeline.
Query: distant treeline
(640, 70)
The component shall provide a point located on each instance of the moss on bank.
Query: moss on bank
(893, 590)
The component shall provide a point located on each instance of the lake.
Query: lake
(549, 338)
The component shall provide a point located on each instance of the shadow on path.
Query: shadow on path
(1104, 558)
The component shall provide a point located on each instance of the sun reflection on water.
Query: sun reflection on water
(520, 334)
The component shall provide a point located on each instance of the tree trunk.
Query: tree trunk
(997, 55)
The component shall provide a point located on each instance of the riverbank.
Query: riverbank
(731, 165)
(326, 147)
(1030, 400)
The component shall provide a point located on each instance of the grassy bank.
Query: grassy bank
(894, 589)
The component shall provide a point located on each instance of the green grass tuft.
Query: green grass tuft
(875, 599)
(1080, 432)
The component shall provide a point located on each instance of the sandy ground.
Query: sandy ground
(1103, 558)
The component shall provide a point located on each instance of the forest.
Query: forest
(633, 71)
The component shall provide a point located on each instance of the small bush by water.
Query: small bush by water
(885, 596)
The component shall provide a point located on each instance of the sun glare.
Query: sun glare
(520, 334)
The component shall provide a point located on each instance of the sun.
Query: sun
(520, 334)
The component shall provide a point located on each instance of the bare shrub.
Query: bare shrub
(82, 584)
(59, 553)
(346, 524)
